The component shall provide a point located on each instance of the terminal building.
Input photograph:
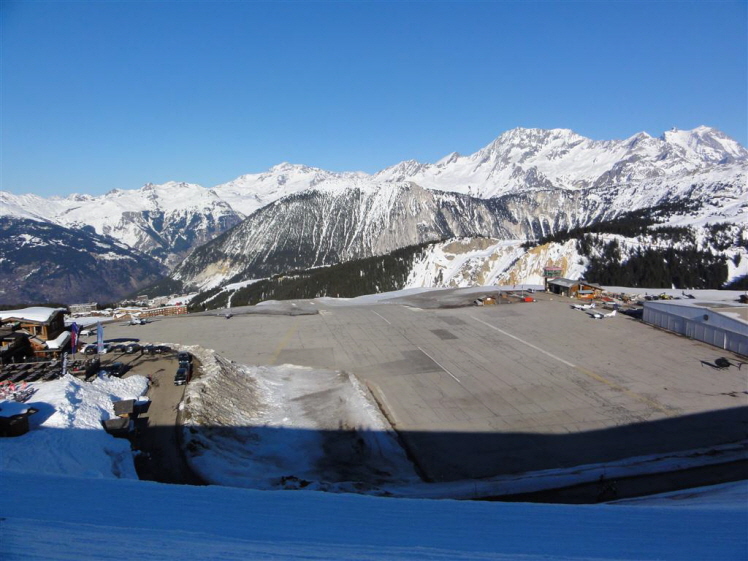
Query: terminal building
(720, 324)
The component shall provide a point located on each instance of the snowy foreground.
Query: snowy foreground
(69, 492)
(66, 435)
(50, 517)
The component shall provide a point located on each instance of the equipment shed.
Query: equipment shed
(717, 323)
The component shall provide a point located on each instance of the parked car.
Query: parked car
(184, 357)
(155, 349)
(181, 377)
(92, 349)
(114, 369)
(118, 348)
(132, 348)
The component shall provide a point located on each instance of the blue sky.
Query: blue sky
(104, 95)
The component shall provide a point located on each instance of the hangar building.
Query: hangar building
(720, 324)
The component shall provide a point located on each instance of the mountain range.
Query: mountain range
(525, 184)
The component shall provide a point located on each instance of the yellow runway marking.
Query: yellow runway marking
(597, 377)
(283, 342)
(632, 395)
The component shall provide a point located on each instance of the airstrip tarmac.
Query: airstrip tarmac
(476, 392)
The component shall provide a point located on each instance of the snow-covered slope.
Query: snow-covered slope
(66, 437)
(45, 262)
(250, 192)
(490, 262)
(46, 517)
(526, 183)
(523, 159)
(163, 221)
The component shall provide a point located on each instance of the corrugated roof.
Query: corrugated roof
(568, 283)
(737, 312)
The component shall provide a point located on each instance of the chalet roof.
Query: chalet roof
(59, 341)
(36, 314)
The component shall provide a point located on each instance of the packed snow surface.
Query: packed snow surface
(45, 517)
(66, 435)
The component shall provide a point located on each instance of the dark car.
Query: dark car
(184, 357)
(114, 369)
(118, 348)
(132, 348)
(181, 377)
(92, 349)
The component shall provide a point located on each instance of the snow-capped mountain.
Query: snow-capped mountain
(526, 183)
(325, 226)
(163, 221)
(41, 262)
(251, 192)
(524, 159)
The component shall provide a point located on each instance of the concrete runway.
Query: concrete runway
(482, 391)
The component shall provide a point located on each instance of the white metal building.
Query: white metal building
(717, 323)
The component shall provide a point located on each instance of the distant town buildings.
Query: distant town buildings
(79, 309)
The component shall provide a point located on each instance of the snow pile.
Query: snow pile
(66, 435)
(288, 427)
(46, 517)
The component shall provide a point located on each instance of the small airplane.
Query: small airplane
(602, 316)
(583, 306)
(137, 320)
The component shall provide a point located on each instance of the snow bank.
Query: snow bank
(724, 496)
(66, 435)
(46, 517)
(288, 427)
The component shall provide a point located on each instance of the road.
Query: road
(158, 436)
